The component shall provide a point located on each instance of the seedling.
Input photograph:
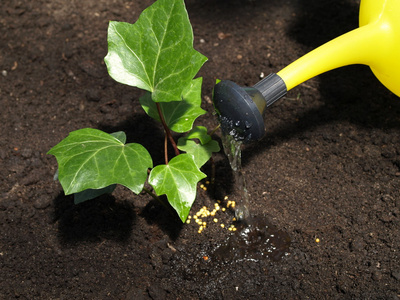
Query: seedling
(155, 54)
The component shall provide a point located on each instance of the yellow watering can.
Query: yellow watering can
(375, 43)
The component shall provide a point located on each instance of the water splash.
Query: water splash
(254, 240)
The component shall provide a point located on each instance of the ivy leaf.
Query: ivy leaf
(156, 53)
(178, 180)
(94, 193)
(201, 133)
(179, 115)
(200, 152)
(92, 159)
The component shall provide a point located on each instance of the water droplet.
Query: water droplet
(248, 124)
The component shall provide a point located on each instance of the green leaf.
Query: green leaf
(119, 135)
(156, 53)
(93, 193)
(92, 159)
(201, 133)
(200, 152)
(179, 115)
(178, 180)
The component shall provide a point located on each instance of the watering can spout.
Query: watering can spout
(375, 43)
(240, 109)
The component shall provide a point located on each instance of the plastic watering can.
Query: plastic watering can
(375, 43)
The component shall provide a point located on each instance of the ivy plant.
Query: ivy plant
(155, 54)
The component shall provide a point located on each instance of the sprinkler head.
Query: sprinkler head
(240, 109)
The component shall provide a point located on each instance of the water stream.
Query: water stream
(255, 238)
(233, 151)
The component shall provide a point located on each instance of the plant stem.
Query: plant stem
(215, 129)
(155, 197)
(212, 179)
(167, 131)
(166, 149)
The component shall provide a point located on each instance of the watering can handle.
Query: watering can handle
(355, 46)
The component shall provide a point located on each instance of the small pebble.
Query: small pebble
(377, 275)
(357, 244)
(396, 275)
(93, 95)
(26, 152)
(42, 202)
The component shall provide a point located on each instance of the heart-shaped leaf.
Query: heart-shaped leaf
(156, 53)
(179, 115)
(92, 159)
(178, 180)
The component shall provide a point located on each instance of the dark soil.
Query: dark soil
(328, 168)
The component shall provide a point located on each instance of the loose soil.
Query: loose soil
(327, 172)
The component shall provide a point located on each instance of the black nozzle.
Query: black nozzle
(240, 109)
